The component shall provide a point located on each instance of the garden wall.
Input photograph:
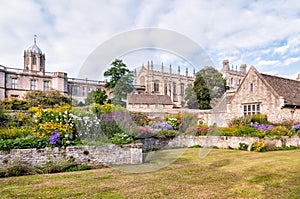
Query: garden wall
(95, 156)
(224, 142)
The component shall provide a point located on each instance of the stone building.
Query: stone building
(233, 76)
(15, 82)
(148, 103)
(162, 82)
(277, 97)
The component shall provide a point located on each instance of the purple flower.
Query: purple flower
(296, 127)
(163, 126)
(263, 127)
(54, 137)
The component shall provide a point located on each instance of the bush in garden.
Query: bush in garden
(258, 146)
(56, 140)
(162, 126)
(15, 104)
(121, 138)
(172, 121)
(142, 132)
(15, 132)
(296, 127)
(243, 146)
(249, 119)
(24, 143)
(280, 131)
(166, 133)
(139, 118)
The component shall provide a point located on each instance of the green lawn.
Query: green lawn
(222, 174)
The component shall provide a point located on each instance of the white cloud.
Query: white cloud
(261, 33)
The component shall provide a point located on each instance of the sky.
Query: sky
(265, 34)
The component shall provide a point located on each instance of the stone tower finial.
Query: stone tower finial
(34, 39)
(170, 69)
(186, 71)
(162, 67)
(178, 70)
(194, 72)
(151, 65)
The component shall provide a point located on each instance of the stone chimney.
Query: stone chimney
(243, 68)
(226, 65)
(298, 78)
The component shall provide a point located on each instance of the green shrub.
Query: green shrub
(243, 146)
(280, 131)
(248, 119)
(166, 133)
(15, 104)
(269, 146)
(24, 143)
(121, 138)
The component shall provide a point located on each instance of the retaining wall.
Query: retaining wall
(96, 156)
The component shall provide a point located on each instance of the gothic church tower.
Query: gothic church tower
(34, 59)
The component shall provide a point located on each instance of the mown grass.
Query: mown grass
(221, 174)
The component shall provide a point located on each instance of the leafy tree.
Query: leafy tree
(202, 92)
(190, 97)
(46, 98)
(121, 81)
(115, 72)
(214, 81)
(15, 104)
(98, 96)
(122, 89)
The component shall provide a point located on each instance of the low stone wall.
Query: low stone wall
(224, 142)
(96, 156)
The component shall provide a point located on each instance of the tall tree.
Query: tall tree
(214, 81)
(190, 97)
(96, 96)
(121, 81)
(115, 72)
(202, 92)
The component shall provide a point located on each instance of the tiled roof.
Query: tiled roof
(149, 99)
(287, 88)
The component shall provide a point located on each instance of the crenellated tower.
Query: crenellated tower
(34, 59)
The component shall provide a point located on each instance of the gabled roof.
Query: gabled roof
(149, 99)
(287, 88)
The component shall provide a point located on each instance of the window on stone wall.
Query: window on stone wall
(46, 85)
(32, 85)
(156, 86)
(251, 109)
(33, 60)
(251, 87)
(75, 90)
(181, 89)
(166, 89)
(83, 91)
(14, 83)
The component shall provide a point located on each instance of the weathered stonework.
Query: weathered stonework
(96, 156)
(223, 142)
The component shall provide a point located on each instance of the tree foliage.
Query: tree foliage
(190, 97)
(202, 92)
(121, 81)
(214, 81)
(46, 98)
(115, 72)
(96, 96)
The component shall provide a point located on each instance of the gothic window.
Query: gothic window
(156, 86)
(75, 90)
(14, 83)
(46, 85)
(174, 88)
(32, 85)
(83, 91)
(181, 89)
(166, 89)
(33, 60)
(142, 81)
(251, 109)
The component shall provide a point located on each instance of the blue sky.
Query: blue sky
(265, 34)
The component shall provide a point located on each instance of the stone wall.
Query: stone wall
(223, 142)
(96, 156)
